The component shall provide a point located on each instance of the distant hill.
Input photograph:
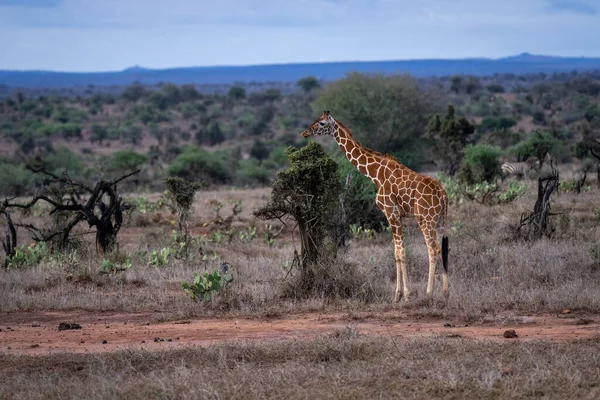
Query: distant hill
(328, 71)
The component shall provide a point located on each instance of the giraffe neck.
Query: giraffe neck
(367, 161)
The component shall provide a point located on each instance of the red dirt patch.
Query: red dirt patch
(37, 332)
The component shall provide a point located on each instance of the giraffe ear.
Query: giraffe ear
(325, 113)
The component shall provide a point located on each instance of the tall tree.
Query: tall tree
(450, 135)
(386, 113)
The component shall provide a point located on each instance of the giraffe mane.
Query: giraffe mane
(374, 152)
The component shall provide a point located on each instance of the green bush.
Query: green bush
(15, 180)
(126, 160)
(308, 83)
(483, 192)
(496, 123)
(385, 113)
(63, 160)
(251, 172)
(237, 92)
(480, 164)
(205, 286)
(538, 144)
(28, 256)
(196, 164)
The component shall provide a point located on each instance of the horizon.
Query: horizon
(143, 68)
(110, 35)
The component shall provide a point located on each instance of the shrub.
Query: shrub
(126, 160)
(385, 113)
(205, 286)
(308, 192)
(539, 144)
(63, 160)
(251, 172)
(480, 164)
(308, 83)
(28, 256)
(237, 92)
(260, 150)
(196, 164)
(484, 192)
(494, 88)
(449, 135)
(496, 123)
(15, 180)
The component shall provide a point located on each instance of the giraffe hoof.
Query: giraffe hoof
(397, 297)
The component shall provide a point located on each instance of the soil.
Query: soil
(37, 333)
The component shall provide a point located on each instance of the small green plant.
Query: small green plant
(483, 192)
(144, 205)
(457, 225)
(597, 213)
(206, 285)
(109, 267)
(27, 256)
(248, 234)
(211, 256)
(217, 237)
(359, 232)
(571, 186)
(514, 191)
(160, 257)
(218, 207)
(270, 235)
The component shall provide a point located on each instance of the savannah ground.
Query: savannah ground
(141, 336)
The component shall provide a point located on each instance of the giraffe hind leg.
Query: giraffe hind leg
(434, 253)
(402, 283)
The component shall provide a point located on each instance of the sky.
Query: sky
(110, 35)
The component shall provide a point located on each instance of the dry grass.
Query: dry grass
(492, 277)
(343, 364)
(490, 273)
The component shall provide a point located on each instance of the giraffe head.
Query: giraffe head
(322, 126)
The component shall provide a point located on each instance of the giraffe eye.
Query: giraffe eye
(322, 123)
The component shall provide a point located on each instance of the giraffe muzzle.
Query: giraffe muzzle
(305, 134)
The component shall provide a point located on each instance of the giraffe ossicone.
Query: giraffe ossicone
(401, 192)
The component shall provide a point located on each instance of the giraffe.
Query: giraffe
(401, 192)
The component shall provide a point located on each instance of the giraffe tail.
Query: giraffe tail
(444, 237)
(445, 253)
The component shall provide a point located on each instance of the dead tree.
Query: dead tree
(9, 242)
(581, 180)
(535, 224)
(103, 209)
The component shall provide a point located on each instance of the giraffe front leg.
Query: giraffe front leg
(398, 255)
(402, 283)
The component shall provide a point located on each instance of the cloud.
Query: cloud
(571, 6)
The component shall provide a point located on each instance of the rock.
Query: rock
(64, 326)
(510, 334)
